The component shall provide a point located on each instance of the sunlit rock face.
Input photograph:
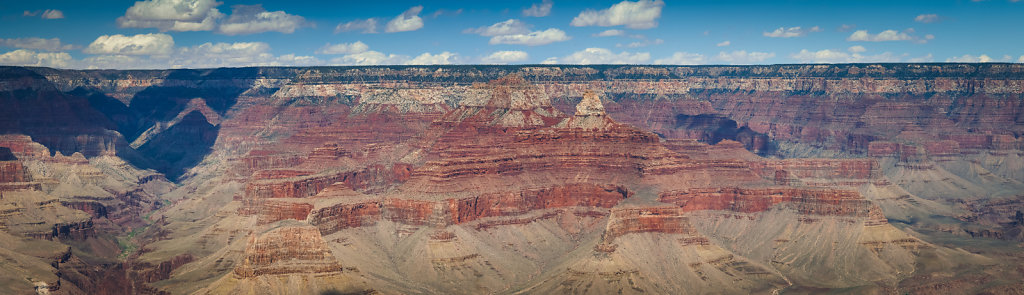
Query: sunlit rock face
(894, 178)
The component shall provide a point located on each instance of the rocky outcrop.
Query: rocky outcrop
(290, 250)
(825, 202)
(670, 220)
(590, 115)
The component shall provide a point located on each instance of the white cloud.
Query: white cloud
(23, 57)
(206, 55)
(359, 54)
(296, 60)
(509, 27)
(837, 56)
(821, 56)
(856, 49)
(237, 54)
(443, 58)
(52, 14)
(120, 62)
(784, 32)
(926, 58)
(927, 18)
(538, 9)
(407, 21)
(344, 48)
(532, 39)
(605, 56)
(642, 14)
(370, 58)
(887, 35)
(223, 54)
(743, 57)
(979, 58)
(643, 43)
(172, 15)
(251, 19)
(724, 43)
(442, 11)
(142, 44)
(52, 44)
(550, 61)
(682, 58)
(504, 57)
(368, 26)
(1021, 59)
(45, 14)
(610, 33)
(846, 28)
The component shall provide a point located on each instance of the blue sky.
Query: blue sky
(208, 33)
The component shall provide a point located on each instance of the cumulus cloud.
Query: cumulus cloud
(927, 18)
(979, 58)
(172, 15)
(837, 56)
(846, 28)
(784, 32)
(407, 21)
(344, 48)
(604, 56)
(682, 58)
(926, 58)
(45, 14)
(1021, 59)
(251, 19)
(23, 57)
(643, 43)
(370, 58)
(52, 44)
(509, 27)
(532, 39)
(539, 9)
(52, 14)
(642, 14)
(888, 35)
(504, 57)
(237, 54)
(206, 55)
(367, 26)
(610, 33)
(743, 57)
(724, 43)
(856, 49)
(443, 58)
(141, 44)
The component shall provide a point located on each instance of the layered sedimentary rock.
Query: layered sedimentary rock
(496, 179)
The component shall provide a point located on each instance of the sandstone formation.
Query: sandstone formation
(862, 178)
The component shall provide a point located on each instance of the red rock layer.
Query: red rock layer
(516, 203)
(273, 211)
(12, 171)
(670, 220)
(820, 172)
(366, 211)
(287, 251)
(341, 216)
(828, 202)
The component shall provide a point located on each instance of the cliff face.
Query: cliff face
(502, 179)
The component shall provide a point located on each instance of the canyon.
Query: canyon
(477, 179)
